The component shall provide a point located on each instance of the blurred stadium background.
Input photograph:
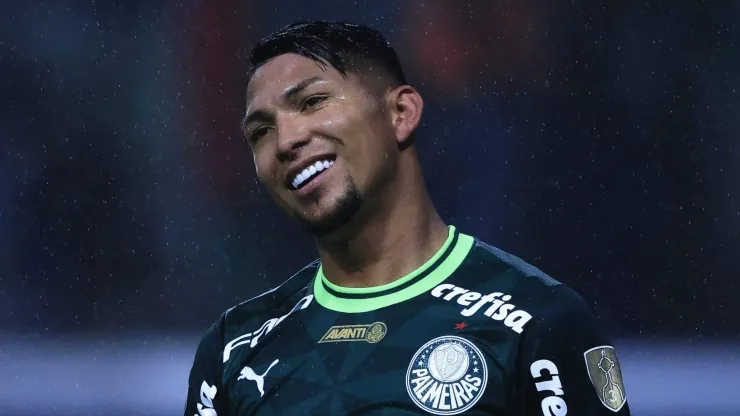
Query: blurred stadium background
(597, 140)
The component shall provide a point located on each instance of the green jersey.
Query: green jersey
(473, 331)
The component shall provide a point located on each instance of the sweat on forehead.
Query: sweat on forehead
(286, 70)
(285, 76)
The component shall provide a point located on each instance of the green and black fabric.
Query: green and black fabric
(473, 331)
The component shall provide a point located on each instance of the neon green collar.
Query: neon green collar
(430, 274)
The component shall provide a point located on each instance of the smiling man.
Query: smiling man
(401, 313)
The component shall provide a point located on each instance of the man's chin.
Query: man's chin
(334, 220)
(321, 227)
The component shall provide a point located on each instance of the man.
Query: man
(401, 313)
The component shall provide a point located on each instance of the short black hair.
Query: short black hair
(344, 46)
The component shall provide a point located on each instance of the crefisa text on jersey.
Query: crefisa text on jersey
(252, 338)
(497, 306)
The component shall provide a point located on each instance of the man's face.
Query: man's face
(320, 141)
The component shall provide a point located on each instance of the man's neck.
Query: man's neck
(387, 247)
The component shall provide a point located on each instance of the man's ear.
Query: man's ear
(406, 106)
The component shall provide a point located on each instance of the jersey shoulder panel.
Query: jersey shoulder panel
(533, 288)
(491, 255)
(528, 287)
(282, 296)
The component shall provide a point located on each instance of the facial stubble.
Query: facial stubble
(339, 214)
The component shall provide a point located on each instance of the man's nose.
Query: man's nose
(292, 135)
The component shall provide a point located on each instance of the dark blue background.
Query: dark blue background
(598, 141)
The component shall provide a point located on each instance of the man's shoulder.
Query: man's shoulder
(531, 288)
(251, 319)
(283, 296)
(487, 265)
(262, 307)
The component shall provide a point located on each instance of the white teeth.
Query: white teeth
(310, 171)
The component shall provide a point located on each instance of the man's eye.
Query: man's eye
(313, 101)
(258, 133)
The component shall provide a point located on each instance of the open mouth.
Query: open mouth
(311, 172)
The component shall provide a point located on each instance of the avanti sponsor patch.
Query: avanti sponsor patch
(371, 333)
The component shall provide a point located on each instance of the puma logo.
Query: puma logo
(249, 374)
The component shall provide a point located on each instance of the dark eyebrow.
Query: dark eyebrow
(257, 115)
(299, 87)
(289, 93)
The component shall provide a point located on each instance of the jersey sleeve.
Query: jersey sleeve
(567, 364)
(205, 395)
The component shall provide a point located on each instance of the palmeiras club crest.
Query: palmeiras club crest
(447, 376)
